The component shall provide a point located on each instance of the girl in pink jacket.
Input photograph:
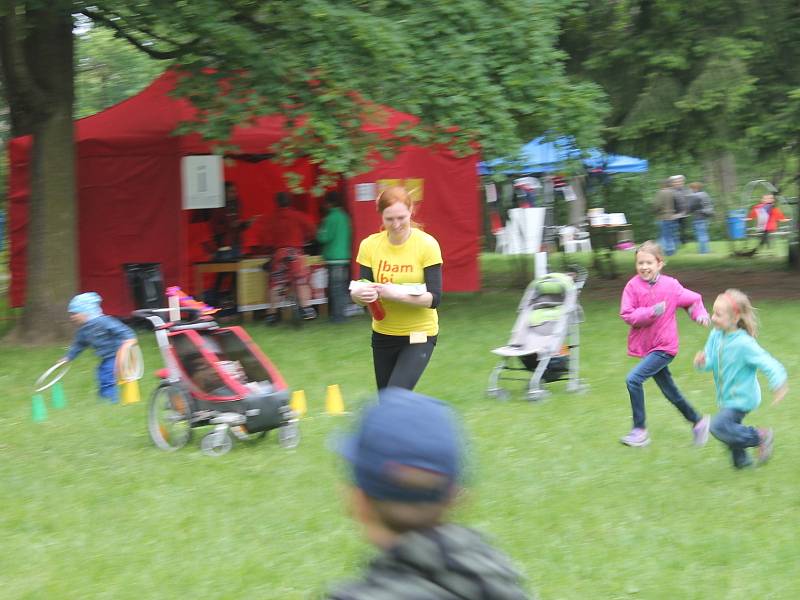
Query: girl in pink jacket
(649, 303)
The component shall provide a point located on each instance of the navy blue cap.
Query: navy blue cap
(407, 448)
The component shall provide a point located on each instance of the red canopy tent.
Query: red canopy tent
(129, 195)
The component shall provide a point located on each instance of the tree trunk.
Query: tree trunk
(794, 237)
(725, 168)
(42, 74)
(722, 170)
(52, 239)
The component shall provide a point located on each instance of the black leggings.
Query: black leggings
(398, 362)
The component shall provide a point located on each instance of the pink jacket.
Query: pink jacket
(648, 331)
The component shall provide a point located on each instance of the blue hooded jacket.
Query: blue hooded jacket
(734, 358)
(103, 333)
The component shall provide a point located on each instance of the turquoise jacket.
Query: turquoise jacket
(734, 358)
(335, 235)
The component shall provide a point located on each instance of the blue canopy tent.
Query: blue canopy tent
(541, 156)
(615, 163)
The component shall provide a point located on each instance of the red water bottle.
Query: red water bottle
(376, 309)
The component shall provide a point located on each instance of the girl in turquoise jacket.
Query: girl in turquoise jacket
(733, 356)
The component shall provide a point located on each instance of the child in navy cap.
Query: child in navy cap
(406, 458)
(103, 333)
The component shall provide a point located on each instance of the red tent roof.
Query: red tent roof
(129, 192)
(148, 119)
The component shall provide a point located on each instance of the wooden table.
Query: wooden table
(202, 268)
(252, 282)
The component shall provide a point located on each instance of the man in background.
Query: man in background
(226, 228)
(285, 234)
(681, 199)
(664, 209)
(335, 237)
(702, 209)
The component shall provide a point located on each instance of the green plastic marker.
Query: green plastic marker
(38, 409)
(58, 399)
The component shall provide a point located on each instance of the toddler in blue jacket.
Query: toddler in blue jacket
(733, 356)
(103, 333)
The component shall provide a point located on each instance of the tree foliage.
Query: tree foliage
(108, 70)
(475, 71)
(701, 78)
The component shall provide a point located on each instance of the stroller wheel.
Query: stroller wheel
(289, 434)
(537, 395)
(498, 394)
(578, 387)
(216, 443)
(169, 418)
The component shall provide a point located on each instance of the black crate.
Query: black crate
(146, 284)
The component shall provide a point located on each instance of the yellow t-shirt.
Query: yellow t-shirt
(403, 263)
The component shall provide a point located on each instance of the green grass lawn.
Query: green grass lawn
(91, 509)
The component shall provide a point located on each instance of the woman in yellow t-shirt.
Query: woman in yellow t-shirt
(404, 267)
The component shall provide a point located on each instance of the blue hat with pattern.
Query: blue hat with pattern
(406, 448)
(87, 303)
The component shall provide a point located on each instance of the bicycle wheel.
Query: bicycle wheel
(169, 418)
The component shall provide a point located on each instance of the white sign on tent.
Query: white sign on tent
(366, 192)
(203, 181)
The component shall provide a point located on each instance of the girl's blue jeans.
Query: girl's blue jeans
(655, 365)
(727, 427)
(106, 380)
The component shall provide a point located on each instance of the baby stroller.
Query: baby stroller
(545, 337)
(214, 376)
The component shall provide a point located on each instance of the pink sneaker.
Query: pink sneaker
(765, 437)
(637, 437)
(700, 431)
